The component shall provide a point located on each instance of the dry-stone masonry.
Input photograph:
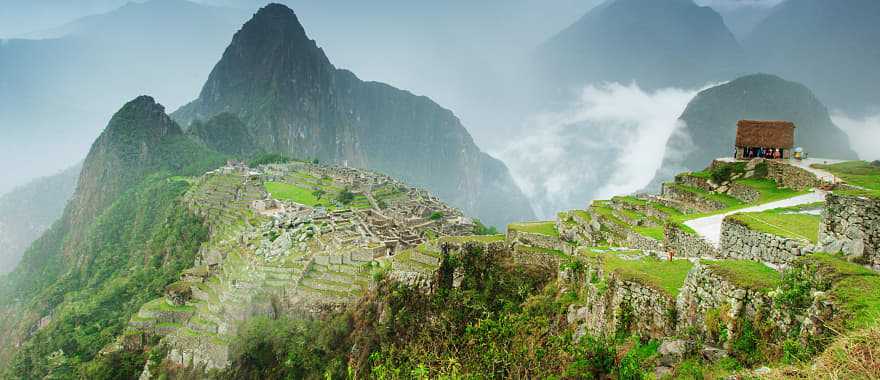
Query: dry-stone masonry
(740, 242)
(851, 224)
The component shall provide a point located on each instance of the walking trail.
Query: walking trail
(709, 228)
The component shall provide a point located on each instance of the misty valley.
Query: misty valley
(510, 189)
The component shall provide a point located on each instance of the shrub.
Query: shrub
(482, 229)
(345, 196)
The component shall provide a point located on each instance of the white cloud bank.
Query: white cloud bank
(864, 134)
(610, 141)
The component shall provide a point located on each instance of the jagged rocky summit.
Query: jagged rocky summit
(292, 99)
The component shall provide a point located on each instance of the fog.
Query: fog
(468, 56)
(610, 141)
(864, 133)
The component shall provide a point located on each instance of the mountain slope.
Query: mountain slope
(29, 210)
(120, 241)
(655, 43)
(709, 127)
(294, 101)
(830, 46)
(112, 57)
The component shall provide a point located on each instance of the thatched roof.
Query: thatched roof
(767, 134)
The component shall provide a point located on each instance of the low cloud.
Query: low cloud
(610, 141)
(864, 133)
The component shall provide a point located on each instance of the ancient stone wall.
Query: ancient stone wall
(697, 202)
(687, 245)
(614, 304)
(851, 224)
(740, 242)
(744, 193)
(535, 240)
(790, 176)
(693, 181)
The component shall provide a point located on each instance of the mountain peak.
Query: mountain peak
(142, 117)
(278, 21)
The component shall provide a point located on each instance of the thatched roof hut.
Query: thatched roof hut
(766, 134)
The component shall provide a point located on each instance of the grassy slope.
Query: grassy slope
(857, 173)
(664, 276)
(543, 228)
(746, 274)
(782, 222)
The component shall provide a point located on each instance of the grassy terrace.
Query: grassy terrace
(769, 193)
(856, 173)
(746, 274)
(542, 228)
(527, 249)
(724, 199)
(785, 222)
(664, 276)
(855, 289)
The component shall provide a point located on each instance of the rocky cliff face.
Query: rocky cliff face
(294, 101)
(709, 128)
(124, 152)
(655, 43)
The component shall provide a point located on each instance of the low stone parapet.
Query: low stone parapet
(740, 242)
(685, 244)
(787, 175)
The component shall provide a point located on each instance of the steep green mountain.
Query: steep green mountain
(28, 211)
(122, 238)
(295, 102)
(654, 43)
(709, 122)
(113, 57)
(830, 46)
(224, 133)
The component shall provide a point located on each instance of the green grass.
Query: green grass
(664, 276)
(746, 273)
(293, 193)
(542, 228)
(767, 195)
(856, 173)
(770, 192)
(780, 222)
(726, 200)
(583, 215)
(656, 233)
(855, 289)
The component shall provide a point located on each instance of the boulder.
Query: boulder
(672, 351)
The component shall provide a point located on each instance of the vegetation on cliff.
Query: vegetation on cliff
(124, 236)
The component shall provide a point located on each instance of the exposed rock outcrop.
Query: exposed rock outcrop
(282, 86)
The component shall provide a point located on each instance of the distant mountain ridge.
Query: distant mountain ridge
(112, 57)
(830, 46)
(29, 210)
(292, 99)
(709, 122)
(656, 43)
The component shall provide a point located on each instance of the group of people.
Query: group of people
(771, 153)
